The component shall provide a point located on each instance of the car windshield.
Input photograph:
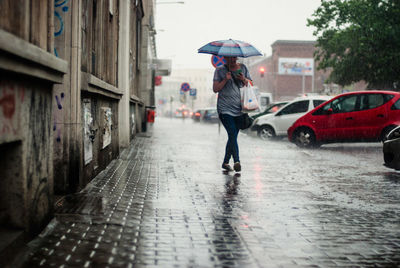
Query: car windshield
(274, 107)
(295, 107)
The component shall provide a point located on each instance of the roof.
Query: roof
(312, 97)
(370, 91)
(294, 42)
(258, 61)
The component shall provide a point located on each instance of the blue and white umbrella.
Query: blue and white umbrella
(230, 48)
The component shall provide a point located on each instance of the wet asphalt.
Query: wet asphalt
(165, 202)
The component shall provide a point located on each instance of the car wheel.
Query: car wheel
(266, 133)
(386, 131)
(304, 138)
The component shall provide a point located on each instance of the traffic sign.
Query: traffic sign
(185, 87)
(193, 92)
(217, 61)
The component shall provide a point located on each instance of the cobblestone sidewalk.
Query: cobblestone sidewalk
(165, 203)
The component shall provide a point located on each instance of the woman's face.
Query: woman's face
(230, 60)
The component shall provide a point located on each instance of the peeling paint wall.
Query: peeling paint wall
(12, 96)
(89, 132)
(38, 151)
(66, 109)
(106, 125)
(59, 98)
(26, 154)
(101, 134)
(135, 121)
(62, 99)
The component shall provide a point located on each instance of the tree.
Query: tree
(359, 40)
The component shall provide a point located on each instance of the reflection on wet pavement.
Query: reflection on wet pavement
(166, 203)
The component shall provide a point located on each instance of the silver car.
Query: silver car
(391, 149)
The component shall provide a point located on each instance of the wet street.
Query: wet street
(166, 203)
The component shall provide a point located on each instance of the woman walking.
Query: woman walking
(228, 79)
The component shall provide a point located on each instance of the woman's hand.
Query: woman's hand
(243, 79)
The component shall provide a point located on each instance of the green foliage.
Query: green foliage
(359, 40)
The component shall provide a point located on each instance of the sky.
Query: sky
(183, 28)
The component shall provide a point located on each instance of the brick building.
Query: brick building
(291, 71)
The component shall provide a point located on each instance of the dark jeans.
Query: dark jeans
(232, 148)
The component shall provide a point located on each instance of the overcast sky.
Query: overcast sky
(183, 28)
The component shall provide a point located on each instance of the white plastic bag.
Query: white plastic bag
(248, 98)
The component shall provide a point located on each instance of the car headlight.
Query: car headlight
(255, 121)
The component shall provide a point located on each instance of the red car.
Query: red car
(350, 117)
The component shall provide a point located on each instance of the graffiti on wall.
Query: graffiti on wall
(60, 7)
(107, 125)
(88, 124)
(11, 97)
(58, 116)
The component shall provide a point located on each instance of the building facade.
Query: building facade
(291, 71)
(75, 80)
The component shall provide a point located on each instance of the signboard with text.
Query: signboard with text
(296, 66)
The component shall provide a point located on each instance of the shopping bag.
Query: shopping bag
(248, 98)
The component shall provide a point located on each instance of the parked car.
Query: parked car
(355, 117)
(391, 149)
(183, 113)
(197, 115)
(276, 124)
(210, 115)
(207, 115)
(273, 107)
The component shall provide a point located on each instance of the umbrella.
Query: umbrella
(230, 48)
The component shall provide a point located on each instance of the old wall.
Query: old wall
(29, 20)
(37, 150)
(135, 22)
(27, 75)
(100, 133)
(60, 97)
(100, 94)
(135, 120)
(12, 202)
(62, 103)
(100, 39)
(26, 188)
(135, 61)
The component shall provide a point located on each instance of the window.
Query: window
(344, 104)
(212, 112)
(340, 105)
(318, 102)
(370, 101)
(396, 105)
(296, 107)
